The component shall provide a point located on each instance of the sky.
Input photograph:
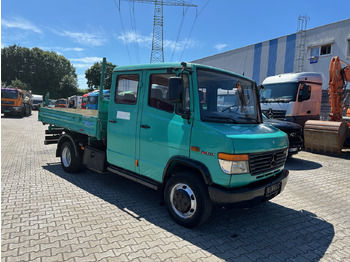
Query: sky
(121, 30)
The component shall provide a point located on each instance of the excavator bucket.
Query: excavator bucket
(324, 136)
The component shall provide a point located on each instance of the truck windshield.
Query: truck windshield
(226, 98)
(12, 94)
(279, 92)
(92, 100)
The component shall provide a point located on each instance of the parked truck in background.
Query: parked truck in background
(84, 101)
(75, 101)
(92, 101)
(295, 97)
(15, 101)
(37, 101)
(62, 102)
(159, 129)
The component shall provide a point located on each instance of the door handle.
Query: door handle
(113, 121)
(145, 126)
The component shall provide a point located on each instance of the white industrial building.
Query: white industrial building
(305, 51)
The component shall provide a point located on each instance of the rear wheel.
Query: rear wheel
(187, 199)
(70, 161)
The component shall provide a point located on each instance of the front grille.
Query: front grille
(4, 102)
(278, 114)
(261, 163)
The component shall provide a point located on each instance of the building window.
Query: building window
(348, 53)
(325, 49)
(321, 50)
(315, 51)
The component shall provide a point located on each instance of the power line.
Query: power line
(194, 22)
(133, 27)
(178, 33)
(157, 53)
(122, 24)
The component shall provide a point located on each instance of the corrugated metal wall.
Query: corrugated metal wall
(278, 56)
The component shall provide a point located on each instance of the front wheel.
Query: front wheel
(70, 161)
(187, 199)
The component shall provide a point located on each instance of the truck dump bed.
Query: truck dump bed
(79, 120)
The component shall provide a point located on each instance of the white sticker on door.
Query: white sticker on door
(123, 115)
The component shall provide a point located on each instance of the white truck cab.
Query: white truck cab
(294, 97)
(37, 101)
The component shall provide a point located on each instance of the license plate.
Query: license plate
(273, 190)
(7, 111)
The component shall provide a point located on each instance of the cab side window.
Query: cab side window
(304, 92)
(126, 89)
(158, 96)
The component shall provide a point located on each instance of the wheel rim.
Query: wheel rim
(66, 157)
(183, 200)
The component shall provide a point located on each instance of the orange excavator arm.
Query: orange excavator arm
(329, 136)
(338, 77)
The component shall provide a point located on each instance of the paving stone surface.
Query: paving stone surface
(50, 215)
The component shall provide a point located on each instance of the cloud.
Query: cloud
(82, 82)
(85, 62)
(85, 38)
(219, 47)
(132, 37)
(20, 23)
(180, 45)
(62, 49)
(77, 49)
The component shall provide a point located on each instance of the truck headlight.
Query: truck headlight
(233, 164)
(17, 108)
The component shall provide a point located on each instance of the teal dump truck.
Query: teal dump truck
(171, 127)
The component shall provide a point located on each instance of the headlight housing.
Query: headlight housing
(233, 164)
(17, 108)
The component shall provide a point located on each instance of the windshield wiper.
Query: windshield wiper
(223, 118)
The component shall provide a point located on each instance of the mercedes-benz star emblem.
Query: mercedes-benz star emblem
(273, 160)
(269, 112)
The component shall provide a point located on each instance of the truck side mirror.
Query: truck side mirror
(176, 87)
(304, 92)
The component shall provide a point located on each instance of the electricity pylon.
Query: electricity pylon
(157, 54)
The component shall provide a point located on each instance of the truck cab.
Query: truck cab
(168, 127)
(16, 101)
(75, 102)
(92, 99)
(37, 101)
(295, 97)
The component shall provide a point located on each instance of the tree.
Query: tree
(19, 84)
(41, 71)
(68, 86)
(93, 75)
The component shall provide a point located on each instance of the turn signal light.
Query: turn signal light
(229, 157)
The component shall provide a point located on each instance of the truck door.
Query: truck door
(122, 119)
(307, 104)
(163, 131)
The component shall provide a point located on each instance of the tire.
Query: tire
(22, 113)
(70, 162)
(187, 199)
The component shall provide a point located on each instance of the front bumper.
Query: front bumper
(11, 110)
(249, 195)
